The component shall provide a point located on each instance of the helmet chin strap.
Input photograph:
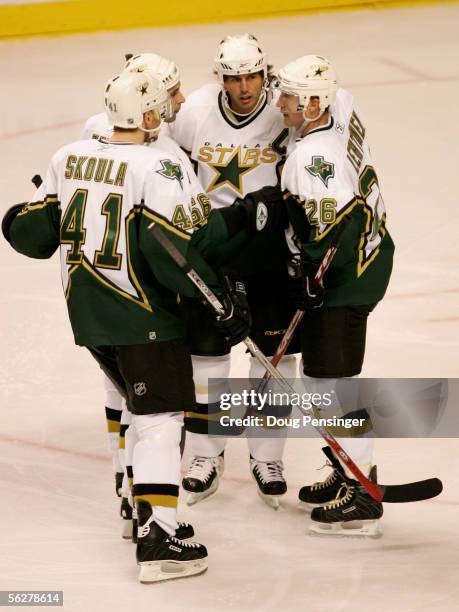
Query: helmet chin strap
(163, 117)
(152, 133)
(307, 121)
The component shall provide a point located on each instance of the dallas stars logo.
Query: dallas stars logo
(231, 172)
(320, 70)
(321, 168)
(171, 171)
(143, 89)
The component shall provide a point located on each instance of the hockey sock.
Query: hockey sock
(357, 442)
(131, 440)
(203, 446)
(156, 465)
(287, 366)
(207, 404)
(113, 408)
(125, 423)
(271, 447)
(361, 452)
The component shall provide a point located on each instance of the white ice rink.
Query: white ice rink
(59, 527)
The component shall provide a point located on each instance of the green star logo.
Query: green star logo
(321, 168)
(171, 171)
(320, 70)
(231, 172)
(143, 89)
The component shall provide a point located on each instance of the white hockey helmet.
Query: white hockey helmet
(307, 77)
(131, 94)
(165, 68)
(240, 54)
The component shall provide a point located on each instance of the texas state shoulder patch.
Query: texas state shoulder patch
(171, 171)
(321, 168)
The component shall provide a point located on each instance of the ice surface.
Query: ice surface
(59, 526)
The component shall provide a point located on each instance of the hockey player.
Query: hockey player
(121, 437)
(329, 175)
(234, 137)
(96, 203)
(99, 125)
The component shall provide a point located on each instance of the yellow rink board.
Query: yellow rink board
(47, 18)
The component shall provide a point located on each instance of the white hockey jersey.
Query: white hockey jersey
(330, 171)
(330, 174)
(96, 203)
(98, 127)
(231, 158)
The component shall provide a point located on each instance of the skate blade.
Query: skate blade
(159, 571)
(127, 530)
(361, 529)
(272, 501)
(307, 507)
(194, 498)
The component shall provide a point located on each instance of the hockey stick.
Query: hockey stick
(298, 316)
(414, 491)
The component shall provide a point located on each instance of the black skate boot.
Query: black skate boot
(118, 483)
(203, 477)
(165, 557)
(184, 530)
(353, 513)
(135, 525)
(322, 492)
(126, 513)
(270, 481)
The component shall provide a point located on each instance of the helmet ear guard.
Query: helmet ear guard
(310, 76)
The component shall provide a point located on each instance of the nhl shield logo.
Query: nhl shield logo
(140, 388)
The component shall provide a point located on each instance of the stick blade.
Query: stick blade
(411, 492)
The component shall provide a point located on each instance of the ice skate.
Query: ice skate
(320, 493)
(164, 557)
(184, 530)
(126, 515)
(270, 481)
(353, 513)
(119, 483)
(135, 525)
(203, 477)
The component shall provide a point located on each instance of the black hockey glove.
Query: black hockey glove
(262, 210)
(305, 292)
(235, 323)
(9, 217)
